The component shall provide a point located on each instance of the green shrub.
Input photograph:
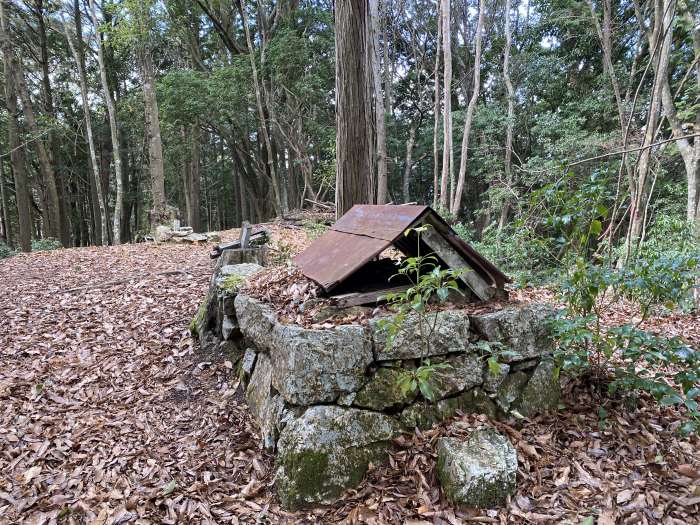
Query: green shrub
(6, 251)
(634, 359)
(45, 245)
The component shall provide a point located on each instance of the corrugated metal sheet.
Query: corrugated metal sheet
(366, 230)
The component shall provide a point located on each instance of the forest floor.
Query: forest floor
(109, 414)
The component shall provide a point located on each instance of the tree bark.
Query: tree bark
(4, 203)
(409, 163)
(113, 130)
(63, 212)
(79, 58)
(436, 116)
(447, 156)
(155, 144)
(510, 95)
(280, 208)
(16, 148)
(52, 223)
(353, 175)
(471, 108)
(663, 20)
(379, 110)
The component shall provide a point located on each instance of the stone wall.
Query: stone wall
(328, 401)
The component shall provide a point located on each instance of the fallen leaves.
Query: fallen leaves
(109, 415)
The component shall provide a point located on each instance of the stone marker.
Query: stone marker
(479, 472)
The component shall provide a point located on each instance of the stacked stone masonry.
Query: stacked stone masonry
(327, 401)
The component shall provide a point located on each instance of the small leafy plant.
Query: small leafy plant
(636, 360)
(429, 283)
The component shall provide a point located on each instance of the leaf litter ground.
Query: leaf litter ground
(109, 415)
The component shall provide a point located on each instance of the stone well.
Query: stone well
(327, 401)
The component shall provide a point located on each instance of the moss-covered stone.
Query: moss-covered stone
(383, 392)
(422, 415)
(327, 451)
(474, 401)
(541, 393)
(510, 390)
(463, 372)
(479, 473)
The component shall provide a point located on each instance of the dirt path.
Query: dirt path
(106, 415)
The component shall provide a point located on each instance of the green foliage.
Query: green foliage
(314, 229)
(637, 360)
(428, 284)
(45, 245)
(419, 379)
(6, 251)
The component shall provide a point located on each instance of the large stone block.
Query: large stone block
(318, 366)
(478, 473)
(267, 407)
(255, 320)
(522, 329)
(542, 391)
(382, 392)
(327, 451)
(447, 333)
(462, 372)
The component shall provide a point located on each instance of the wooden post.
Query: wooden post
(454, 260)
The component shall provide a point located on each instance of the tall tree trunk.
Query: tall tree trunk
(113, 130)
(663, 20)
(78, 56)
(379, 111)
(52, 223)
(471, 108)
(14, 143)
(61, 189)
(447, 156)
(353, 175)
(510, 95)
(4, 203)
(276, 189)
(436, 116)
(409, 163)
(155, 143)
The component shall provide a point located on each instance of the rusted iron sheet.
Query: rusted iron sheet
(336, 255)
(381, 222)
(366, 230)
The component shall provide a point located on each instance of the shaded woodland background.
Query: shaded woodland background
(119, 115)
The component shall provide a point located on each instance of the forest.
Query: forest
(549, 151)
(117, 114)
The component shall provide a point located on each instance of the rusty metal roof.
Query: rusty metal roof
(367, 230)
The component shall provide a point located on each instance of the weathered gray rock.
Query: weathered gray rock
(269, 409)
(383, 391)
(229, 328)
(318, 366)
(474, 401)
(311, 366)
(464, 372)
(451, 335)
(541, 393)
(478, 473)
(422, 415)
(510, 390)
(256, 321)
(493, 381)
(522, 329)
(258, 392)
(326, 451)
(195, 238)
(248, 365)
